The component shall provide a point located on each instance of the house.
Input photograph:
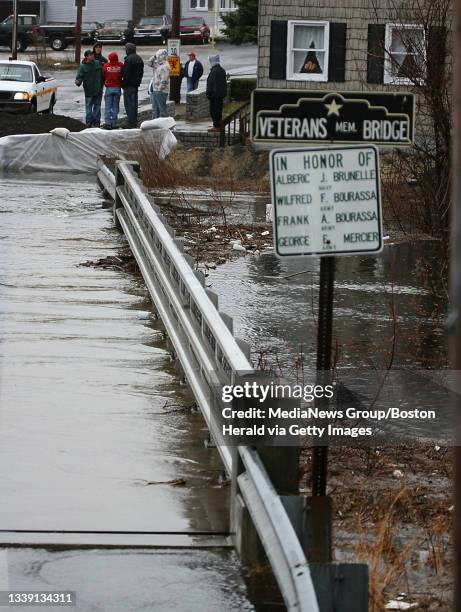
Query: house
(342, 45)
(95, 10)
(210, 11)
(102, 10)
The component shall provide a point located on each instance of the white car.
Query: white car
(23, 88)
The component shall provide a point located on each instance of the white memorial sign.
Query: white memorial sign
(326, 201)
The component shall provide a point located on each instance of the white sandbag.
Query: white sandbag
(80, 151)
(159, 123)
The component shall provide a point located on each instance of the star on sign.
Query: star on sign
(333, 108)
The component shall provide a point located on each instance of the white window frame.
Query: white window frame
(297, 76)
(389, 78)
(198, 7)
(230, 6)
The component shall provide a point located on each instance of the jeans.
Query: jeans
(112, 105)
(130, 100)
(191, 84)
(158, 100)
(93, 110)
(216, 105)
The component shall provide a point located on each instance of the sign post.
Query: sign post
(326, 202)
(79, 4)
(174, 59)
(14, 34)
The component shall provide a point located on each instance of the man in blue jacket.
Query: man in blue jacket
(216, 91)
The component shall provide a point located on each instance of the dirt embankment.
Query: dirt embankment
(33, 123)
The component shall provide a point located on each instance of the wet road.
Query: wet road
(236, 59)
(84, 384)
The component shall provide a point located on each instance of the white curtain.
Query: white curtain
(304, 36)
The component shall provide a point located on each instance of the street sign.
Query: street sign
(174, 47)
(326, 201)
(81, 3)
(287, 116)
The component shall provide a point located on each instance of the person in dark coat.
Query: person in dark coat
(98, 56)
(133, 71)
(192, 71)
(216, 91)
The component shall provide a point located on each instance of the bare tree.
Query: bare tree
(418, 55)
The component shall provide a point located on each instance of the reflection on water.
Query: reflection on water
(275, 307)
(85, 379)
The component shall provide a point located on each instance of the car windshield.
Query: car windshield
(192, 21)
(15, 72)
(151, 21)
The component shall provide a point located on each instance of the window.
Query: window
(405, 53)
(307, 57)
(227, 5)
(199, 5)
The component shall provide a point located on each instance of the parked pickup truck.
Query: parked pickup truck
(60, 35)
(28, 31)
(57, 35)
(24, 89)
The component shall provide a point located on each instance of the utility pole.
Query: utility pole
(14, 34)
(78, 30)
(175, 81)
(455, 286)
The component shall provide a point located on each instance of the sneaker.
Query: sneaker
(106, 126)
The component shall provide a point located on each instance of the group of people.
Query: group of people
(110, 76)
(97, 73)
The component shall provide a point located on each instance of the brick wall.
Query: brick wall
(357, 14)
(197, 105)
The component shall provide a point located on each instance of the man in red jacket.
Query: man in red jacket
(112, 75)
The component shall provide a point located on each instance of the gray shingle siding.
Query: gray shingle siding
(357, 14)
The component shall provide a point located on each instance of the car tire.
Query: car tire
(57, 43)
(21, 44)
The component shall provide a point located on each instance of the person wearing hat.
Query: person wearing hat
(90, 76)
(98, 56)
(216, 91)
(133, 70)
(192, 70)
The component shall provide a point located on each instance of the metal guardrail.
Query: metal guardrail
(210, 356)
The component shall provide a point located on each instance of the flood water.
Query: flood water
(85, 379)
(275, 308)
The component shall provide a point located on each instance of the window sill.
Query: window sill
(313, 78)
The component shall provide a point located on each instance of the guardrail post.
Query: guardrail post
(119, 182)
(246, 539)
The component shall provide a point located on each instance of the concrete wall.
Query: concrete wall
(357, 14)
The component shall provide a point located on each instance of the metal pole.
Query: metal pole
(78, 31)
(14, 35)
(455, 282)
(175, 81)
(324, 340)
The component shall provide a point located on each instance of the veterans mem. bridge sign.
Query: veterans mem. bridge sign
(287, 116)
(326, 201)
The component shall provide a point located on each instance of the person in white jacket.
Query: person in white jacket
(159, 86)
